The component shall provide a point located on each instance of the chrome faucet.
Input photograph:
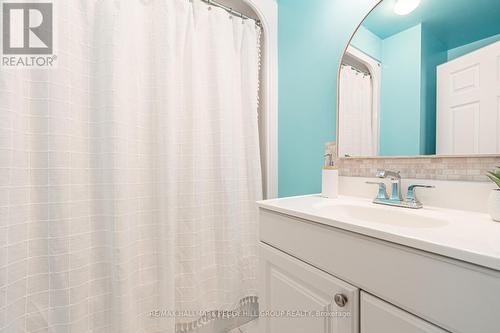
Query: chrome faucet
(395, 178)
(396, 198)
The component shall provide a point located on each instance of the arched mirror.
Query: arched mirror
(422, 77)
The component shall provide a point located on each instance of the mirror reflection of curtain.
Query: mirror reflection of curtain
(356, 117)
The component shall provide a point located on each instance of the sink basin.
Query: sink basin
(383, 215)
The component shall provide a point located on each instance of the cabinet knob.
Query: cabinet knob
(340, 300)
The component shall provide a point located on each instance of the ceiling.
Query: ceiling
(454, 22)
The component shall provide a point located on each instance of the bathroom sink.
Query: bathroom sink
(464, 235)
(383, 215)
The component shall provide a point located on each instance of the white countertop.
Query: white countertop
(468, 236)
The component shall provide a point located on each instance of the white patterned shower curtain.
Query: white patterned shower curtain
(357, 125)
(128, 173)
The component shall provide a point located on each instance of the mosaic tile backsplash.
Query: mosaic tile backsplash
(437, 168)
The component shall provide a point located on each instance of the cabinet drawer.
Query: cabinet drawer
(297, 298)
(378, 316)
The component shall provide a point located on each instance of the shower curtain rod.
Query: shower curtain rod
(357, 69)
(230, 10)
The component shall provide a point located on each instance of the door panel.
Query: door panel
(498, 70)
(378, 316)
(465, 80)
(498, 113)
(465, 128)
(468, 115)
(292, 292)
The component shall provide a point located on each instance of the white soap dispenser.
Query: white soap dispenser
(330, 178)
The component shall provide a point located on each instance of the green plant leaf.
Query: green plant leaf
(493, 174)
(494, 178)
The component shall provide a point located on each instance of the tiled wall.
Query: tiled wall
(438, 168)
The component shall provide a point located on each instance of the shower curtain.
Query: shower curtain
(129, 172)
(356, 121)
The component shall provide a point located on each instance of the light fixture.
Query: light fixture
(405, 7)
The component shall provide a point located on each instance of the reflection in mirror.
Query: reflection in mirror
(422, 77)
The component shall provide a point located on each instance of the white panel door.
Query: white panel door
(378, 316)
(468, 103)
(298, 298)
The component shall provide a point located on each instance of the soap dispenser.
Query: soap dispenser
(330, 178)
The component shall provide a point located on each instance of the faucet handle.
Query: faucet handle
(382, 190)
(411, 196)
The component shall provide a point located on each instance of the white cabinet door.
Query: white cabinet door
(298, 298)
(378, 316)
(468, 103)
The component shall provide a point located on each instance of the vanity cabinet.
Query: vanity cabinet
(378, 316)
(297, 298)
(305, 263)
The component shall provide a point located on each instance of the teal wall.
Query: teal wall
(408, 118)
(311, 40)
(455, 22)
(433, 54)
(400, 126)
(464, 49)
(368, 42)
